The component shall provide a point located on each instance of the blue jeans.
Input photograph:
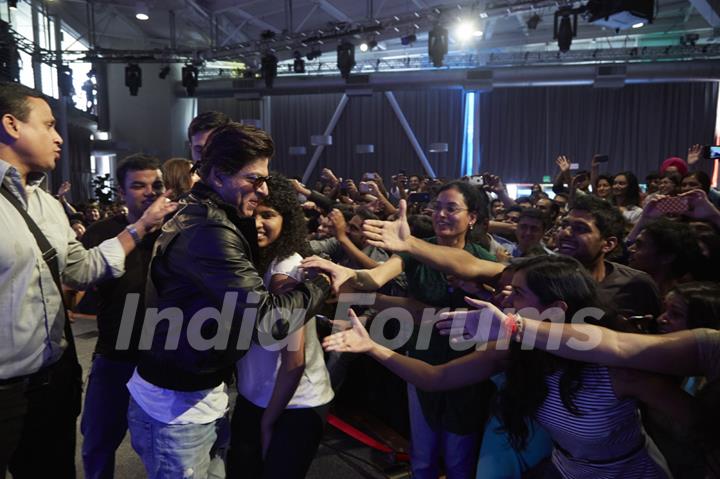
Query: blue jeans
(427, 444)
(104, 418)
(174, 451)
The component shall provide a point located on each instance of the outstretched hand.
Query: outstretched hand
(339, 275)
(355, 340)
(389, 235)
(483, 324)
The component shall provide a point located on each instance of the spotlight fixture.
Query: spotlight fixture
(408, 39)
(464, 31)
(312, 55)
(269, 64)
(345, 58)
(565, 30)
(141, 11)
(133, 78)
(367, 46)
(689, 39)
(12, 4)
(164, 72)
(437, 45)
(299, 63)
(66, 81)
(533, 21)
(190, 79)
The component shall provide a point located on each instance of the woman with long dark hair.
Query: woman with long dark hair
(626, 195)
(590, 411)
(283, 393)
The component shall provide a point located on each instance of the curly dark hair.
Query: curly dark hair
(283, 199)
(550, 278)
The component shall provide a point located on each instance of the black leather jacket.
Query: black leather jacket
(202, 259)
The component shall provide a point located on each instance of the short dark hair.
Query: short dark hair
(13, 100)
(514, 208)
(208, 120)
(231, 147)
(679, 240)
(535, 214)
(136, 162)
(608, 219)
(365, 214)
(702, 178)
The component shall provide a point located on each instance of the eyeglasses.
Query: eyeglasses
(256, 180)
(449, 209)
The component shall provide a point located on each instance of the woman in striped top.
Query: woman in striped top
(590, 411)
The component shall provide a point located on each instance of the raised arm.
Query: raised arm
(353, 252)
(395, 236)
(469, 369)
(674, 353)
(361, 280)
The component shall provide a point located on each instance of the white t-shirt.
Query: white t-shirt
(178, 407)
(257, 371)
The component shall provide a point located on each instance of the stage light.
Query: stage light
(345, 58)
(533, 21)
(565, 30)
(464, 31)
(164, 72)
(141, 11)
(313, 55)
(269, 64)
(408, 39)
(133, 78)
(437, 45)
(12, 4)
(190, 79)
(364, 47)
(299, 63)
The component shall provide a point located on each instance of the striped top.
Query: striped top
(606, 440)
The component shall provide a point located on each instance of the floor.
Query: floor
(339, 456)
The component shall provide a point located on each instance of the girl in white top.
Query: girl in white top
(284, 388)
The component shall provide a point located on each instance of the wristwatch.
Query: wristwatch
(133, 232)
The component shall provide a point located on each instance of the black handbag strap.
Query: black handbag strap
(49, 255)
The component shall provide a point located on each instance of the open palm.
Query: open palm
(355, 340)
(389, 235)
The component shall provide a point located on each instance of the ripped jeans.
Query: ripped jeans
(174, 451)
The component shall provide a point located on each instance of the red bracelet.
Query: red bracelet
(516, 327)
(511, 325)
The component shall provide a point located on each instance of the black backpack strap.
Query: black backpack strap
(49, 254)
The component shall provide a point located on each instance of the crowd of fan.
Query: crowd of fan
(653, 255)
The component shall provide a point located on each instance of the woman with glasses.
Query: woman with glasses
(446, 423)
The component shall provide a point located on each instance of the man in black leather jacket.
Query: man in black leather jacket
(203, 264)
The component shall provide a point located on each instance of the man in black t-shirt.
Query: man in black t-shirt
(591, 231)
(104, 419)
